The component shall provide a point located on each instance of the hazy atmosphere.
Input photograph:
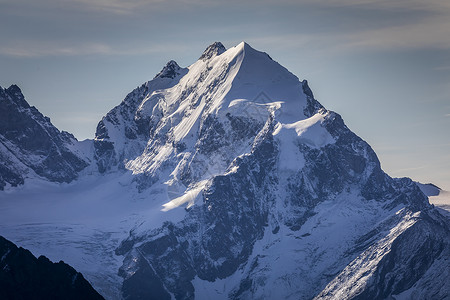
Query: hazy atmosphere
(383, 65)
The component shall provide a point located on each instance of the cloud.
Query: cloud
(432, 33)
(366, 25)
(432, 5)
(442, 68)
(109, 6)
(31, 49)
(327, 26)
(112, 7)
(115, 6)
(406, 170)
(379, 25)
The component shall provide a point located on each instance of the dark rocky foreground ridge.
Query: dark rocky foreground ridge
(330, 224)
(23, 276)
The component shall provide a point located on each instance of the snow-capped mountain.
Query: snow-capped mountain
(227, 179)
(30, 146)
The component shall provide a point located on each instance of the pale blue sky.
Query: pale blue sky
(383, 65)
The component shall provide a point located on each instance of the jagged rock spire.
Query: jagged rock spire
(214, 49)
(170, 70)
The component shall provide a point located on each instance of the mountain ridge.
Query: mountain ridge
(32, 145)
(23, 276)
(232, 181)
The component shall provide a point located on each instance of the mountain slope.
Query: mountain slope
(227, 179)
(255, 160)
(30, 146)
(414, 252)
(23, 276)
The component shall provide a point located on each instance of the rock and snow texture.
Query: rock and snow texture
(410, 259)
(236, 183)
(30, 146)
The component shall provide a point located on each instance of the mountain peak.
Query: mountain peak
(212, 50)
(246, 48)
(244, 45)
(14, 89)
(35, 145)
(170, 70)
(15, 95)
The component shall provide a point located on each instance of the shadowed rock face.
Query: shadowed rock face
(171, 70)
(233, 213)
(30, 143)
(410, 257)
(414, 261)
(217, 237)
(107, 157)
(23, 276)
(214, 49)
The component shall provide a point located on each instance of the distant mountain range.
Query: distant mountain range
(226, 179)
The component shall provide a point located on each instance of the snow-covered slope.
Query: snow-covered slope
(171, 117)
(31, 147)
(409, 261)
(227, 179)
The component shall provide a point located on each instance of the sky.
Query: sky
(383, 65)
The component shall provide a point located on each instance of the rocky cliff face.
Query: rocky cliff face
(23, 276)
(124, 132)
(30, 146)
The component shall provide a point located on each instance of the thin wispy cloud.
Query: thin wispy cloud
(113, 7)
(432, 33)
(433, 5)
(116, 6)
(33, 49)
(442, 68)
(406, 170)
(393, 25)
(38, 49)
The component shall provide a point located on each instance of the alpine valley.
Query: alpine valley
(226, 179)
